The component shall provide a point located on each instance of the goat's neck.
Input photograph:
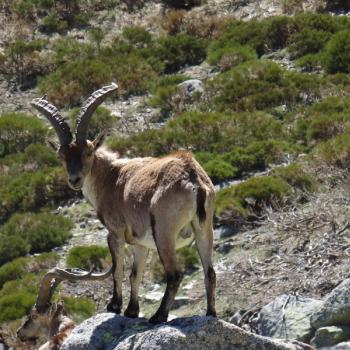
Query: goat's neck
(61, 324)
(104, 170)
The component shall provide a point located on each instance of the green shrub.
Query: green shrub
(32, 190)
(250, 33)
(180, 50)
(258, 85)
(18, 270)
(86, 257)
(16, 305)
(137, 36)
(296, 177)
(102, 120)
(75, 79)
(53, 24)
(249, 197)
(310, 62)
(326, 126)
(201, 132)
(27, 282)
(219, 170)
(79, 308)
(12, 270)
(335, 151)
(12, 247)
(38, 232)
(18, 131)
(229, 57)
(308, 41)
(337, 53)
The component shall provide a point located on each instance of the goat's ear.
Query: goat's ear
(99, 139)
(55, 146)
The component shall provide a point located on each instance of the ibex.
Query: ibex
(50, 319)
(150, 203)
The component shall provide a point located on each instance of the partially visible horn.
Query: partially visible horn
(56, 275)
(89, 108)
(57, 121)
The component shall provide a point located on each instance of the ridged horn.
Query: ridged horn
(55, 276)
(55, 118)
(89, 107)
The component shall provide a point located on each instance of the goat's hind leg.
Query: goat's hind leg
(165, 241)
(116, 248)
(204, 243)
(140, 255)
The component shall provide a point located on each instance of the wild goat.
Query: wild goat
(151, 203)
(50, 319)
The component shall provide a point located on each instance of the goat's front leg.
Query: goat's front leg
(116, 248)
(140, 255)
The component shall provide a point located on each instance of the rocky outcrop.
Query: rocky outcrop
(288, 316)
(329, 336)
(335, 309)
(112, 332)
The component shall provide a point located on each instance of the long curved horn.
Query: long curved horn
(57, 121)
(89, 107)
(56, 275)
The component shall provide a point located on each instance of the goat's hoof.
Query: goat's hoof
(211, 313)
(132, 313)
(156, 319)
(112, 307)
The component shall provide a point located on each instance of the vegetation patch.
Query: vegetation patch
(32, 233)
(87, 257)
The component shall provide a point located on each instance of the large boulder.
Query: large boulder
(335, 309)
(112, 332)
(329, 336)
(192, 86)
(288, 317)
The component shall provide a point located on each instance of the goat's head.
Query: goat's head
(44, 313)
(77, 156)
(37, 323)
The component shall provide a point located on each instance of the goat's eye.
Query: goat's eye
(89, 153)
(34, 317)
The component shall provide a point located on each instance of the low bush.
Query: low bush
(36, 233)
(102, 120)
(335, 151)
(258, 85)
(24, 273)
(16, 305)
(219, 170)
(12, 270)
(336, 55)
(86, 257)
(18, 131)
(28, 282)
(180, 50)
(296, 177)
(308, 41)
(79, 308)
(247, 200)
(229, 57)
(32, 190)
(201, 132)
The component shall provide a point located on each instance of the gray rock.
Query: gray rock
(335, 309)
(329, 336)
(288, 317)
(341, 346)
(112, 332)
(192, 86)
